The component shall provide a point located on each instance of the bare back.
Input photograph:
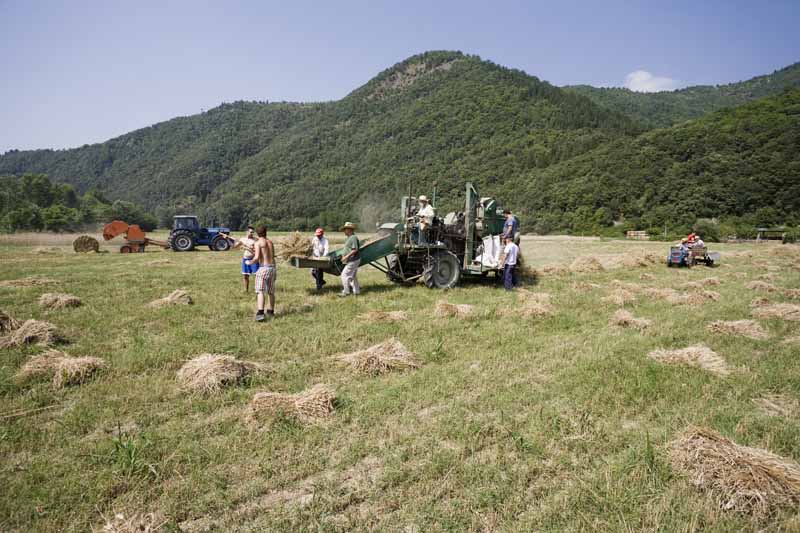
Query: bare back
(265, 252)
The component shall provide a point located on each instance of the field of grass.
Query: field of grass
(556, 423)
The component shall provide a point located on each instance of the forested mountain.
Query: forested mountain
(564, 161)
(662, 109)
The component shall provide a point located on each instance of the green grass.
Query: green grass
(548, 424)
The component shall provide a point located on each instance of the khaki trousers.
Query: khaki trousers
(350, 277)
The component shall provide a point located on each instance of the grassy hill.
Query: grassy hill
(661, 109)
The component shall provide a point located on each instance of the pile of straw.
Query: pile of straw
(760, 302)
(383, 316)
(620, 297)
(789, 312)
(8, 322)
(32, 332)
(85, 243)
(134, 523)
(209, 373)
(640, 260)
(744, 479)
(176, 297)
(625, 319)
(746, 328)
(533, 309)
(777, 405)
(534, 297)
(309, 406)
(64, 369)
(444, 309)
(586, 264)
(381, 358)
(699, 356)
(57, 300)
(761, 286)
(26, 282)
(632, 287)
(694, 298)
(769, 276)
(792, 293)
(294, 244)
(739, 275)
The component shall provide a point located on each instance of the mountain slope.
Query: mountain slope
(664, 109)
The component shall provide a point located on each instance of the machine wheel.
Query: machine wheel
(220, 244)
(181, 240)
(442, 271)
(125, 249)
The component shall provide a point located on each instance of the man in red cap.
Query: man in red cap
(319, 248)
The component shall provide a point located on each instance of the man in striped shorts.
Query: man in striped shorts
(265, 275)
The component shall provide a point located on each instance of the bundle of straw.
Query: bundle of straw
(586, 264)
(7, 322)
(444, 309)
(309, 406)
(209, 373)
(64, 369)
(57, 300)
(699, 355)
(381, 358)
(176, 297)
(294, 244)
(746, 328)
(625, 319)
(32, 332)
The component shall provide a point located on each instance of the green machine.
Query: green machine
(464, 243)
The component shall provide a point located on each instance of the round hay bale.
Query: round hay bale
(85, 244)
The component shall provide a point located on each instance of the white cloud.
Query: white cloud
(645, 82)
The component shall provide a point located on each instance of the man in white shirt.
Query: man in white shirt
(426, 214)
(247, 244)
(319, 248)
(511, 252)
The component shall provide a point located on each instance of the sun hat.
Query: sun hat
(422, 198)
(348, 225)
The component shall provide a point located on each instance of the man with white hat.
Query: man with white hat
(351, 261)
(319, 248)
(426, 214)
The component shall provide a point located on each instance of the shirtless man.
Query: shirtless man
(247, 244)
(264, 257)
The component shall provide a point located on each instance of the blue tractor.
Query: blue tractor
(186, 234)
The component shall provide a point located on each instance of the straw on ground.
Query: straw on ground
(64, 369)
(745, 328)
(176, 297)
(626, 319)
(383, 316)
(8, 322)
(32, 332)
(444, 309)
(700, 356)
(58, 300)
(381, 358)
(790, 312)
(209, 373)
(309, 406)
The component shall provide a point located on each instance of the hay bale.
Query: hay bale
(660, 294)
(294, 244)
(7, 322)
(759, 285)
(743, 479)
(777, 405)
(625, 319)
(699, 355)
(444, 309)
(26, 282)
(64, 369)
(309, 406)
(209, 373)
(701, 283)
(85, 244)
(639, 259)
(57, 300)
(176, 297)
(620, 297)
(383, 316)
(745, 328)
(586, 264)
(381, 358)
(32, 332)
(789, 312)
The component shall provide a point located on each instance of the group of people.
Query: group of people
(692, 241)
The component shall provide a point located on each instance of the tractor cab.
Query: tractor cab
(185, 222)
(187, 233)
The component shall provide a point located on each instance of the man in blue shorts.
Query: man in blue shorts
(247, 244)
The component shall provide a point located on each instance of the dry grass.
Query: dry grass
(209, 373)
(632, 287)
(176, 297)
(85, 243)
(526, 296)
(585, 264)
(554, 269)
(745, 328)
(699, 355)
(8, 322)
(760, 302)
(159, 262)
(777, 405)
(134, 523)
(682, 298)
(791, 340)
(294, 244)
(767, 277)
(739, 275)
(444, 309)
(46, 250)
(532, 309)
(646, 276)
(639, 260)
(792, 293)
(381, 358)
(789, 312)
(32, 332)
(309, 406)
(625, 319)
(701, 283)
(64, 369)
(383, 316)
(581, 286)
(27, 282)
(57, 300)
(748, 480)
(759, 285)
(620, 297)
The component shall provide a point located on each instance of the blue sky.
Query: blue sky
(76, 72)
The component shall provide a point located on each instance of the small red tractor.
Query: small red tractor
(135, 237)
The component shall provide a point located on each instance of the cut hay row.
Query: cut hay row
(383, 316)
(789, 312)
(32, 332)
(777, 405)
(625, 319)
(26, 282)
(620, 297)
(739, 275)
(64, 369)
(58, 300)
(294, 244)
(209, 373)
(444, 309)
(554, 269)
(381, 358)
(85, 244)
(745, 328)
(309, 406)
(700, 356)
(744, 479)
(8, 322)
(628, 286)
(586, 264)
(176, 297)
(760, 302)
(759, 285)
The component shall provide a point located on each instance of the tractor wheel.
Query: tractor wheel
(125, 249)
(442, 271)
(220, 244)
(181, 240)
